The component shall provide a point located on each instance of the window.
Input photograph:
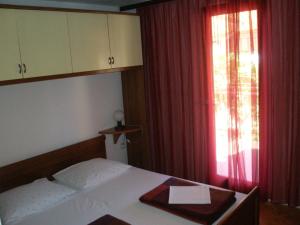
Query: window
(235, 77)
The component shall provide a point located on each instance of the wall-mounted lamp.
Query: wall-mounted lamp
(119, 117)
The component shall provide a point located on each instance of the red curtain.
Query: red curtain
(179, 79)
(178, 54)
(280, 101)
(177, 96)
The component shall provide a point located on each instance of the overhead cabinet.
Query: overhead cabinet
(125, 40)
(36, 43)
(89, 41)
(44, 43)
(10, 61)
(33, 44)
(101, 41)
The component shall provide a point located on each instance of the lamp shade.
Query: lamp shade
(118, 115)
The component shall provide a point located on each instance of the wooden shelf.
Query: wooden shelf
(62, 76)
(118, 132)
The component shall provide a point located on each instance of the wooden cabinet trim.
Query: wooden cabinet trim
(61, 76)
(8, 6)
(135, 110)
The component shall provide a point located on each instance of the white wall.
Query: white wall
(42, 116)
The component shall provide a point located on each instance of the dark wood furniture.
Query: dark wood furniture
(142, 4)
(118, 132)
(109, 220)
(47, 164)
(135, 113)
(10, 6)
(62, 76)
(246, 213)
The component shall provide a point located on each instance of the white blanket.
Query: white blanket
(118, 197)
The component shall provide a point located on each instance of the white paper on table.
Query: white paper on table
(189, 195)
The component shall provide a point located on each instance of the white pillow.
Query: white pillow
(90, 173)
(31, 198)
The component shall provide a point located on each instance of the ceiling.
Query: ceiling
(104, 2)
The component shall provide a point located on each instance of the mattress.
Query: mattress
(118, 197)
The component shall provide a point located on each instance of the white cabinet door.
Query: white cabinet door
(125, 40)
(9, 46)
(89, 41)
(44, 43)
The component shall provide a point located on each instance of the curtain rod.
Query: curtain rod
(142, 4)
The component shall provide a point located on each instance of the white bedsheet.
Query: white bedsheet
(118, 197)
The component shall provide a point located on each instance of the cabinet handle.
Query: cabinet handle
(113, 60)
(20, 68)
(24, 68)
(109, 60)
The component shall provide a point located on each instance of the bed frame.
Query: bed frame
(45, 165)
(246, 213)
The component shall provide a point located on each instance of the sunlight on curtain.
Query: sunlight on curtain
(235, 72)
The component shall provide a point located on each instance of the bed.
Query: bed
(118, 197)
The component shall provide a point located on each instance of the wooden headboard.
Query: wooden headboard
(47, 164)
